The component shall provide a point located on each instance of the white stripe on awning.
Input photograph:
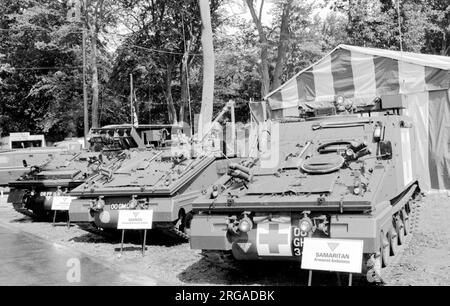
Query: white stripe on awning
(323, 79)
(418, 110)
(289, 94)
(411, 77)
(291, 112)
(363, 74)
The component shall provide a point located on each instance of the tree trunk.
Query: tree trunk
(95, 90)
(168, 94)
(282, 45)
(264, 66)
(208, 69)
(444, 48)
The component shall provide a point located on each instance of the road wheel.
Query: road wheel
(400, 227)
(385, 250)
(181, 227)
(406, 221)
(393, 240)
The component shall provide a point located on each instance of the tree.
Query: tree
(376, 23)
(264, 45)
(438, 33)
(98, 14)
(39, 90)
(161, 51)
(208, 68)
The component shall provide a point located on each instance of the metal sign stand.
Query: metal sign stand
(68, 220)
(121, 244)
(350, 278)
(54, 218)
(143, 241)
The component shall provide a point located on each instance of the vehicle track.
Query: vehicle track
(386, 273)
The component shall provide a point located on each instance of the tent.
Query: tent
(361, 74)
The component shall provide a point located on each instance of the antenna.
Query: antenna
(400, 25)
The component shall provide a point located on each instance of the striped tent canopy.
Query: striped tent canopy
(361, 74)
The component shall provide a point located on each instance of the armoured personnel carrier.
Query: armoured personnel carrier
(165, 180)
(328, 176)
(157, 180)
(21, 151)
(35, 191)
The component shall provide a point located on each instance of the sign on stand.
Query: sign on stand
(340, 255)
(135, 220)
(61, 203)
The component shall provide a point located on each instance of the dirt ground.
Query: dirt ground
(425, 261)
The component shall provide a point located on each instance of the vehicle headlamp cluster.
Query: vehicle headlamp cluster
(245, 224)
(343, 104)
(98, 204)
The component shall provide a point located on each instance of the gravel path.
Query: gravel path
(425, 261)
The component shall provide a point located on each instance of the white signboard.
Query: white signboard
(341, 255)
(61, 203)
(135, 219)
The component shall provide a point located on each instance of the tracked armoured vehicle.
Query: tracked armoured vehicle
(326, 176)
(165, 180)
(21, 151)
(154, 180)
(35, 191)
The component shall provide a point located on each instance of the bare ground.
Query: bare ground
(425, 261)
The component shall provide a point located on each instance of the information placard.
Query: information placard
(341, 255)
(135, 219)
(61, 202)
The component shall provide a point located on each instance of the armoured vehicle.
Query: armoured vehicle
(345, 176)
(34, 192)
(165, 180)
(20, 151)
(158, 180)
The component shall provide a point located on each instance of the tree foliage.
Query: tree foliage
(158, 42)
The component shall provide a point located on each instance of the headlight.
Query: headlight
(214, 192)
(356, 190)
(245, 225)
(348, 104)
(305, 225)
(377, 132)
(340, 100)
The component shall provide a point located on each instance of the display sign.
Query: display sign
(61, 202)
(135, 219)
(341, 255)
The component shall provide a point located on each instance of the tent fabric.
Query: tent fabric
(361, 74)
(439, 139)
(418, 105)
